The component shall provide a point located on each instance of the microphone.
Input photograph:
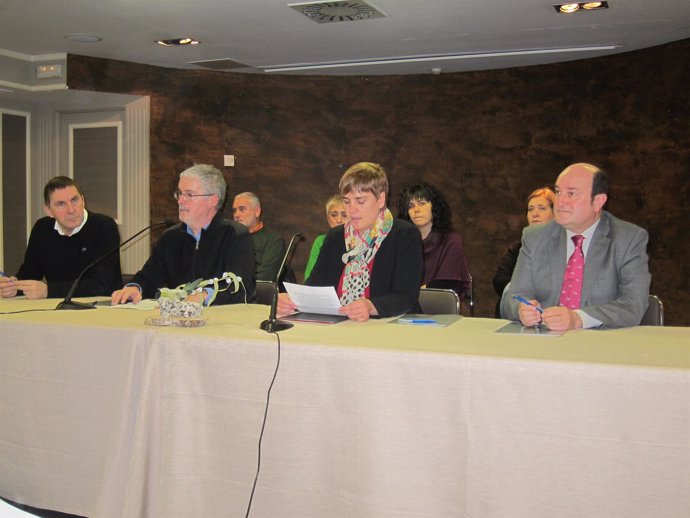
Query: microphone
(273, 325)
(68, 303)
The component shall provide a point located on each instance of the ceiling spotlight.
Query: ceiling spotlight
(586, 6)
(178, 41)
(83, 38)
(568, 8)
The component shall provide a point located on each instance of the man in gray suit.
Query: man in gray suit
(615, 280)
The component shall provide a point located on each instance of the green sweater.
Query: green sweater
(269, 249)
(314, 254)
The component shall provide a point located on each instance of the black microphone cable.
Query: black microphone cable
(263, 426)
(25, 311)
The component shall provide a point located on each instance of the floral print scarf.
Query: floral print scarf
(360, 252)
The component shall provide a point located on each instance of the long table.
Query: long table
(103, 416)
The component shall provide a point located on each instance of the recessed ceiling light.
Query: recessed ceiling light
(178, 41)
(568, 8)
(83, 38)
(574, 7)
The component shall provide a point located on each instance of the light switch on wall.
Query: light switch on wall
(229, 160)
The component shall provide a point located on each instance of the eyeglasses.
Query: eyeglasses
(187, 195)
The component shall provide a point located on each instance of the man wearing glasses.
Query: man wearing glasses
(204, 245)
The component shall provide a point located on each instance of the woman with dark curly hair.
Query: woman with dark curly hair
(445, 265)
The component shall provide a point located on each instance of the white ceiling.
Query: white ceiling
(267, 33)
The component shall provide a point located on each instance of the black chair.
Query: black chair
(655, 313)
(434, 301)
(266, 291)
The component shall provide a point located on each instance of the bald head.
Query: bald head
(600, 181)
(581, 192)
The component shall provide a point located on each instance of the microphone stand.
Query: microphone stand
(273, 324)
(68, 303)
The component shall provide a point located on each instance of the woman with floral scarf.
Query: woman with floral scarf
(374, 261)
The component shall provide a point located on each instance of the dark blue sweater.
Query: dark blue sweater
(60, 259)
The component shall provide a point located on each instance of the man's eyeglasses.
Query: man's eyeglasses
(187, 195)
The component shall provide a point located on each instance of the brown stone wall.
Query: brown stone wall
(486, 138)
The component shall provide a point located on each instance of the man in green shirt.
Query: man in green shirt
(269, 248)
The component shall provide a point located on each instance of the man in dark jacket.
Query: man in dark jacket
(204, 245)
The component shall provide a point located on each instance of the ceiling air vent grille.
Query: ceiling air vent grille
(333, 12)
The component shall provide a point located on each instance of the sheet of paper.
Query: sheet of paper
(314, 299)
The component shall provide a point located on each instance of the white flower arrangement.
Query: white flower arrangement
(180, 302)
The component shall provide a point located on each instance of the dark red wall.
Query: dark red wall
(486, 138)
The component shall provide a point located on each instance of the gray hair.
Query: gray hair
(211, 179)
(253, 198)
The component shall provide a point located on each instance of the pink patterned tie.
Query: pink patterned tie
(572, 279)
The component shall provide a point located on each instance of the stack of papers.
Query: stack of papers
(321, 300)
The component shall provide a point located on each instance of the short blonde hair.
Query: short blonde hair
(364, 177)
(336, 199)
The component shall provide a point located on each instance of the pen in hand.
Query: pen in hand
(525, 301)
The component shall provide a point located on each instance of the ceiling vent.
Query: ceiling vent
(219, 64)
(333, 12)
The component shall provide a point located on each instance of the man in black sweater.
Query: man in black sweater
(204, 245)
(62, 244)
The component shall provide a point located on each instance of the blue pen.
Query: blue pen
(417, 321)
(525, 301)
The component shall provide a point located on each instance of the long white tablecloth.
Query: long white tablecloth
(105, 417)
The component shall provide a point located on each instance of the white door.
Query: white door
(14, 188)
